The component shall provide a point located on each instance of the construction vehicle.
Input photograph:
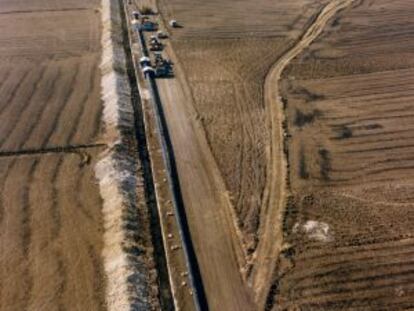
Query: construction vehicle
(174, 23)
(162, 35)
(144, 61)
(155, 46)
(135, 15)
(163, 67)
(148, 72)
(147, 25)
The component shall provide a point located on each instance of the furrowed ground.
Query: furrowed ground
(349, 101)
(50, 209)
(225, 50)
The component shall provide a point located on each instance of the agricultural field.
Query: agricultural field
(223, 76)
(226, 60)
(51, 226)
(349, 103)
(292, 129)
(345, 94)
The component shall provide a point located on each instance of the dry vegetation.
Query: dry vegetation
(349, 103)
(50, 208)
(228, 92)
(225, 67)
(226, 58)
(51, 234)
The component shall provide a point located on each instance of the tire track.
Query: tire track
(98, 268)
(58, 86)
(2, 184)
(63, 274)
(31, 93)
(77, 199)
(2, 209)
(12, 95)
(365, 283)
(35, 116)
(5, 76)
(271, 239)
(27, 230)
(79, 114)
(66, 99)
(55, 212)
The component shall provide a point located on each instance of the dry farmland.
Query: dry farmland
(349, 103)
(226, 70)
(345, 94)
(292, 125)
(50, 209)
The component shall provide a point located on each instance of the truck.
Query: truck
(155, 44)
(163, 67)
(147, 25)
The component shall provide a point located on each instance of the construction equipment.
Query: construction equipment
(145, 61)
(148, 72)
(135, 15)
(162, 35)
(155, 44)
(148, 25)
(174, 23)
(163, 67)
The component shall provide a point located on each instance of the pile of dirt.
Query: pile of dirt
(128, 251)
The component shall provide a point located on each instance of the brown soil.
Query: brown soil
(225, 71)
(226, 78)
(335, 234)
(349, 103)
(51, 234)
(50, 208)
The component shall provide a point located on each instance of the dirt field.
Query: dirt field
(345, 236)
(50, 209)
(226, 77)
(349, 224)
(225, 69)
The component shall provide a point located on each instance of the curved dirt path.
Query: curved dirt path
(271, 241)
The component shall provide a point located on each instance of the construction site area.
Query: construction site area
(206, 155)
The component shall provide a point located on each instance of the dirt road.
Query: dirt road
(50, 210)
(210, 224)
(271, 237)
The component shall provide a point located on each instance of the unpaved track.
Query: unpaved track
(271, 237)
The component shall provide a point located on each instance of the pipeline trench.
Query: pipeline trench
(168, 162)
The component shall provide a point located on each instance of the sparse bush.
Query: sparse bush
(325, 163)
(344, 132)
(303, 170)
(302, 118)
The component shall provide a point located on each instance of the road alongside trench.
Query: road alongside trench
(212, 231)
(271, 237)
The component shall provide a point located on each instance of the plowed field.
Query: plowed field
(50, 209)
(349, 103)
(346, 97)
